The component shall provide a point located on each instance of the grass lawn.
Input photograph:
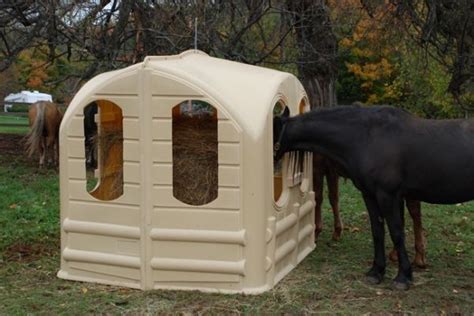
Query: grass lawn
(14, 124)
(330, 280)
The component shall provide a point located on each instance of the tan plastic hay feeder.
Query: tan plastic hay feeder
(136, 228)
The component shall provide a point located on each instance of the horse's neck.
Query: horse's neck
(332, 140)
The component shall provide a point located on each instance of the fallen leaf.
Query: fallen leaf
(455, 291)
(355, 230)
(84, 290)
(13, 206)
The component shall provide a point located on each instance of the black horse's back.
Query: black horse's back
(439, 161)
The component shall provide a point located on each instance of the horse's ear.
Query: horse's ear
(286, 112)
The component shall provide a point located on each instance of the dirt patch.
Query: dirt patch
(13, 151)
(23, 252)
(12, 144)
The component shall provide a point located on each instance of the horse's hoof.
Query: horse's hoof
(373, 277)
(420, 263)
(400, 286)
(336, 236)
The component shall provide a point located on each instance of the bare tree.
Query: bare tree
(110, 34)
(317, 50)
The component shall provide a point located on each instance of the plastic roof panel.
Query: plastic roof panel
(245, 92)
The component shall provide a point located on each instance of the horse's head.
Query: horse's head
(280, 145)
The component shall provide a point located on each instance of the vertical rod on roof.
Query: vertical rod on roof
(195, 33)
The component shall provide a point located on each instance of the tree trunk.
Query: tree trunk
(320, 89)
(317, 50)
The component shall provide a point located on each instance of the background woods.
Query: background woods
(415, 54)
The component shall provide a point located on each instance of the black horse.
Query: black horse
(389, 155)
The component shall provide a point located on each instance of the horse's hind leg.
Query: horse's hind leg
(333, 192)
(50, 149)
(42, 151)
(56, 153)
(414, 207)
(56, 149)
(318, 182)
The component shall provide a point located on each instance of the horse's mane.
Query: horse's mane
(352, 112)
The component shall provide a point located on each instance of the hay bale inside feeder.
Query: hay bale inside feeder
(195, 171)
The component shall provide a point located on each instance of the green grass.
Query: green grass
(13, 119)
(329, 281)
(11, 124)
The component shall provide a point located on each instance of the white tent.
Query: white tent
(25, 96)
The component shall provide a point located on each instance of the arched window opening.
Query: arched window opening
(195, 152)
(103, 141)
(304, 106)
(277, 167)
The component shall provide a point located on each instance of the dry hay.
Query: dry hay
(110, 144)
(195, 165)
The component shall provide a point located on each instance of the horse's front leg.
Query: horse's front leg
(333, 192)
(391, 207)
(318, 185)
(376, 273)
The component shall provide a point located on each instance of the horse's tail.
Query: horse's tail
(33, 139)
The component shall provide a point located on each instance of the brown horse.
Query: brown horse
(43, 138)
(324, 167)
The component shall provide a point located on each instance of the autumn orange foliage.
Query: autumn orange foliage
(373, 42)
(38, 74)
